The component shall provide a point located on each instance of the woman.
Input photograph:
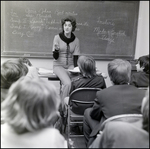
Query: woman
(65, 52)
(29, 112)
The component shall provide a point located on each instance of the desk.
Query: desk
(47, 73)
(51, 77)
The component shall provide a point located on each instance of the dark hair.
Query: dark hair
(87, 66)
(11, 71)
(119, 71)
(144, 62)
(25, 60)
(72, 20)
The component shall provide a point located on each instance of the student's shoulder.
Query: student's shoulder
(106, 90)
(77, 78)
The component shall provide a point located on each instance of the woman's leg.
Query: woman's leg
(63, 75)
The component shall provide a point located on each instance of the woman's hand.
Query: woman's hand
(56, 47)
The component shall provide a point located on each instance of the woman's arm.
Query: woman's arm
(76, 52)
(56, 54)
(75, 59)
(56, 48)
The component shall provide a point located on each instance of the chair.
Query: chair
(143, 88)
(122, 117)
(79, 100)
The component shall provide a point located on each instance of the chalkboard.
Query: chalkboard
(106, 29)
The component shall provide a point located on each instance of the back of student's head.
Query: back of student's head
(87, 66)
(25, 60)
(11, 71)
(144, 62)
(145, 111)
(31, 105)
(119, 71)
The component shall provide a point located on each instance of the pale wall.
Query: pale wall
(142, 44)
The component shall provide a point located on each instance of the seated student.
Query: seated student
(120, 98)
(87, 77)
(117, 134)
(11, 71)
(33, 71)
(141, 77)
(29, 111)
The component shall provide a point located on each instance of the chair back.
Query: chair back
(81, 99)
(143, 88)
(131, 118)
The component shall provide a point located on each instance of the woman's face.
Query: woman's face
(67, 27)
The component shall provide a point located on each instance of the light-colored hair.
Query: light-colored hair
(145, 111)
(87, 66)
(11, 71)
(31, 105)
(119, 71)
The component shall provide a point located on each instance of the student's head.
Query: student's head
(145, 111)
(143, 64)
(31, 105)
(25, 61)
(119, 71)
(69, 22)
(87, 66)
(11, 71)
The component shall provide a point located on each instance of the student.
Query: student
(120, 98)
(33, 71)
(11, 71)
(25, 60)
(88, 76)
(29, 111)
(117, 134)
(65, 52)
(141, 78)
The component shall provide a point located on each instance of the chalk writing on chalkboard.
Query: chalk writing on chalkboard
(107, 31)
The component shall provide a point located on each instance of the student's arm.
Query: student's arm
(96, 112)
(133, 80)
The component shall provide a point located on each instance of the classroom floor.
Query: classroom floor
(77, 142)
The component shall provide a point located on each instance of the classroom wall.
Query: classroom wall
(142, 44)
